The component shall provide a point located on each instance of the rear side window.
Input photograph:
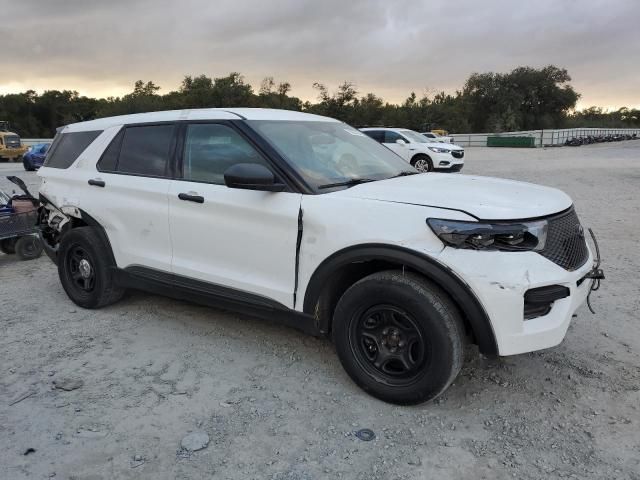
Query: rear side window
(139, 150)
(391, 137)
(67, 147)
(109, 159)
(377, 135)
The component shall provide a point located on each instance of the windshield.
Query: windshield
(415, 136)
(325, 153)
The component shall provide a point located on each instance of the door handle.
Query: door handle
(97, 182)
(191, 198)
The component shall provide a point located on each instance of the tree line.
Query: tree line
(524, 99)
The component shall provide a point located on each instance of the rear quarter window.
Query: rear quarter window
(67, 147)
(144, 150)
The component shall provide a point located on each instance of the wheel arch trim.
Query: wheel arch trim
(457, 288)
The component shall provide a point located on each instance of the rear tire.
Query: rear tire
(85, 270)
(399, 337)
(28, 247)
(8, 246)
(422, 163)
(27, 165)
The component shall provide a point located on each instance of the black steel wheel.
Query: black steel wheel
(399, 337)
(80, 266)
(389, 342)
(85, 269)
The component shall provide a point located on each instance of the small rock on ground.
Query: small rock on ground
(195, 441)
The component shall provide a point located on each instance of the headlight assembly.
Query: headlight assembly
(439, 150)
(512, 237)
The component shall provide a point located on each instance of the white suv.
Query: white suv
(423, 154)
(310, 221)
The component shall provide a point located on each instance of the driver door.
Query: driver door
(391, 141)
(242, 241)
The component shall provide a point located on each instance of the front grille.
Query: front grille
(566, 245)
(457, 153)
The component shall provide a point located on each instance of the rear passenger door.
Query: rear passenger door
(128, 194)
(235, 242)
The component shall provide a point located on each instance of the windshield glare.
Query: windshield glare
(415, 136)
(330, 152)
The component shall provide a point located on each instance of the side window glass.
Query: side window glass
(391, 137)
(109, 158)
(212, 148)
(145, 150)
(67, 147)
(377, 135)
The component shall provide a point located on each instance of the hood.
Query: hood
(485, 198)
(443, 144)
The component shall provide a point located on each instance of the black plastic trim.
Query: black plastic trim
(538, 301)
(198, 291)
(460, 292)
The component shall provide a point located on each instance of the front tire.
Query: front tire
(84, 269)
(27, 165)
(422, 163)
(399, 337)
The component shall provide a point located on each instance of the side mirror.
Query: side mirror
(252, 176)
(401, 142)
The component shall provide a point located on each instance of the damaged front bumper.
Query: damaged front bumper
(505, 281)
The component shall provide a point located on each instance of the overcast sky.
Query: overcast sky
(387, 47)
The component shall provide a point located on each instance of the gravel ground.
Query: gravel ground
(113, 393)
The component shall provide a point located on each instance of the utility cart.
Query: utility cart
(18, 219)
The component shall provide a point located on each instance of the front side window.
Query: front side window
(145, 150)
(392, 137)
(67, 147)
(210, 149)
(328, 152)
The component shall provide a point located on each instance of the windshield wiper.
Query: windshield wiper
(404, 174)
(347, 183)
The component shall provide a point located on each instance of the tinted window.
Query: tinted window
(391, 136)
(67, 148)
(145, 150)
(109, 158)
(211, 148)
(377, 135)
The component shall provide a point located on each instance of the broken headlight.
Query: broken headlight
(512, 237)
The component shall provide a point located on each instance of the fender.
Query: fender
(74, 217)
(441, 275)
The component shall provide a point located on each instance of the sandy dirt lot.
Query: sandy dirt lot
(276, 404)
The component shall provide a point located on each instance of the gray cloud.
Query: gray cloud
(390, 48)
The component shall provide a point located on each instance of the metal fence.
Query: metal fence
(543, 137)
